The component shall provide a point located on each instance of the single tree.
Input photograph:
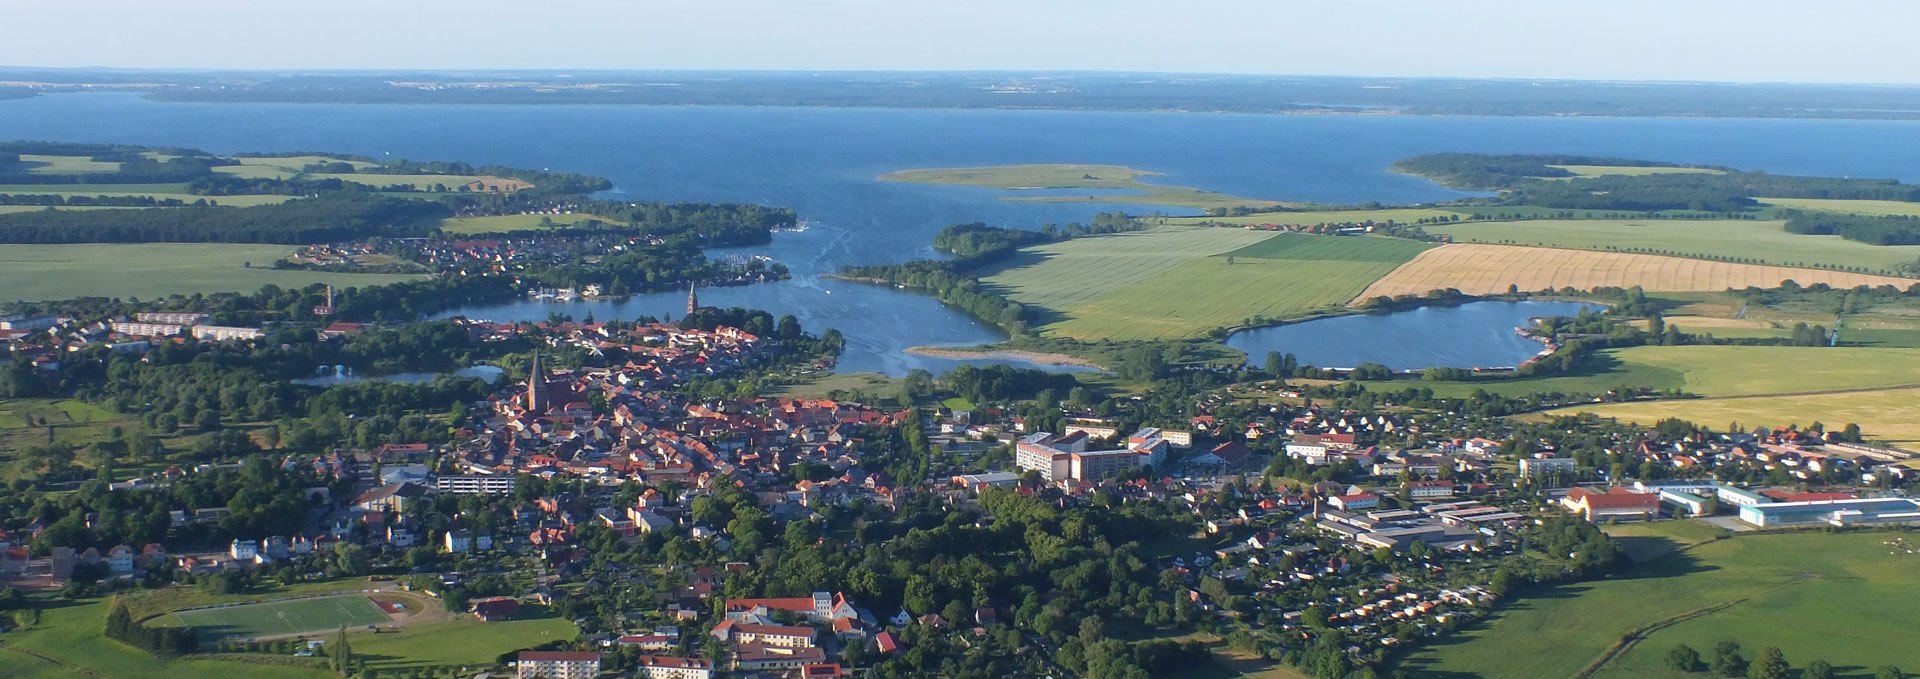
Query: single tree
(1771, 665)
(1889, 672)
(1727, 661)
(1818, 669)
(1683, 658)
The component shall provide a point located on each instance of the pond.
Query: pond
(340, 374)
(1472, 335)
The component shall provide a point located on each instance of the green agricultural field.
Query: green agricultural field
(1104, 178)
(1863, 207)
(69, 643)
(67, 164)
(1785, 590)
(1632, 171)
(1760, 242)
(1719, 371)
(153, 270)
(457, 642)
(298, 616)
(511, 223)
(1168, 281)
(1311, 217)
(155, 191)
(1883, 414)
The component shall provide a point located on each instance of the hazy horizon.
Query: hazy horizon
(1722, 41)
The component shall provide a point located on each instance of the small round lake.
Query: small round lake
(341, 375)
(1472, 335)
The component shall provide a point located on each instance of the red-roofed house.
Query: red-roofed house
(1616, 503)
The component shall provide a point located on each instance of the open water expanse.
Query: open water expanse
(822, 162)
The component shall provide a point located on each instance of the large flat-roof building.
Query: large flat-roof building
(1065, 457)
(557, 665)
(1854, 512)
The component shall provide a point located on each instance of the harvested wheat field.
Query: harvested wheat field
(1479, 269)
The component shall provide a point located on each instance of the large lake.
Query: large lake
(1472, 335)
(823, 161)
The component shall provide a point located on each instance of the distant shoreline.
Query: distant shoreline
(1035, 357)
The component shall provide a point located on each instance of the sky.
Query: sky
(1853, 41)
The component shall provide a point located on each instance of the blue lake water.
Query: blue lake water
(1472, 335)
(823, 161)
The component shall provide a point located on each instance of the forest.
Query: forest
(315, 220)
(1532, 180)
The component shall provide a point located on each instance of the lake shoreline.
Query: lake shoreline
(1035, 357)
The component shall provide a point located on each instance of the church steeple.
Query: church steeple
(536, 387)
(693, 299)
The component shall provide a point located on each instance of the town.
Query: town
(641, 509)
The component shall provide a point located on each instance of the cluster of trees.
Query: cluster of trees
(135, 168)
(1491, 172)
(1533, 180)
(1571, 550)
(167, 641)
(977, 240)
(261, 501)
(1726, 661)
(59, 200)
(951, 287)
(982, 384)
(1873, 229)
(315, 220)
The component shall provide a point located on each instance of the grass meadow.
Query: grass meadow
(1632, 171)
(1883, 414)
(66, 164)
(458, 642)
(1716, 371)
(69, 643)
(1104, 178)
(1178, 281)
(1312, 217)
(153, 270)
(1764, 242)
(511, 223)
(1863, 207)
(1849, 599)
(155, 191)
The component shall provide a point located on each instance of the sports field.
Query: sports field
(153, 270)
(510, 223)
(282, 617)
(1107, 179)
(1863, 207)
(1177, 281)
(1478, 269)
(1760, 242)
(1849, 599)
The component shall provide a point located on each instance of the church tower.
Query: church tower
(693, 299)
(537, 387)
